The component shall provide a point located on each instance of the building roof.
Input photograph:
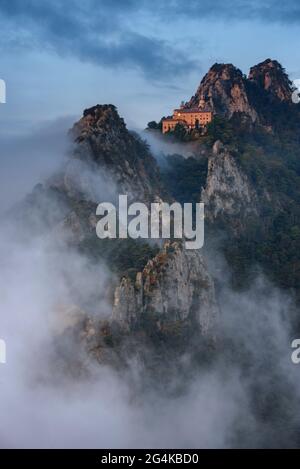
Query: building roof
(192, 110)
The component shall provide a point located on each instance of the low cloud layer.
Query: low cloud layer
(247, 396)
(28, 159)
(223, 405)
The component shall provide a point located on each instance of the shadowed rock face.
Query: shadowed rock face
(270, 76)
(106, 160)
(228, 193)
(101, 137)
(232, 201)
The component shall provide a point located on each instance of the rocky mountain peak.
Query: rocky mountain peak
(102, 138)
(271, 76)
(223, 89)
(225, 72)
(102, 119)
(226, 91)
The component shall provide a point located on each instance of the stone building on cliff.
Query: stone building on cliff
(191, 118)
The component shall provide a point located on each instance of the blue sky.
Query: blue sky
(59, 57)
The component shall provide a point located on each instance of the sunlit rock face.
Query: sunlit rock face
(223, 89)
(226, 91)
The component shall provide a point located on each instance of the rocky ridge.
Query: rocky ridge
(175, 286)
(270, 76)
(226, 91)
(223, 90)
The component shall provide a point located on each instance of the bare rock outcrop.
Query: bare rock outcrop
(227, 92)
(102, 139)
(270, 76)
(228, 193)
(223, 90)
(175, 286)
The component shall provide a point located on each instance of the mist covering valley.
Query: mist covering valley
(125, 343)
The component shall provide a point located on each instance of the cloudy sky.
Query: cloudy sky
(61, 56)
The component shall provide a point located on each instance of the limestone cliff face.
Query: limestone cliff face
(223, 90)
(228, 193)
(174, 286)
(271, 77)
